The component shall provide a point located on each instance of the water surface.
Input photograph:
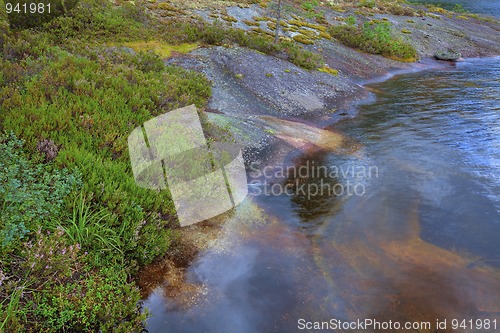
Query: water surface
(488, 7)
(420, 243)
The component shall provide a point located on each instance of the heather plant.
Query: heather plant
(91, 19)
(102, 301)
(45, 260)
(35, 16)
(49, 288)
(29, 193)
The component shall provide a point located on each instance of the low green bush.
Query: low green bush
(4, 24)
(74, 113)
(24, 14)
(91, 19)
(375, 38)
(29, 193)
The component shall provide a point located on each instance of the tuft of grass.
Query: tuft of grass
(92, 228)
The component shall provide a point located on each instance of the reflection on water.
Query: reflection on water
(421, 243)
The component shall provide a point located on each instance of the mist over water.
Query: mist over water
(421, 243)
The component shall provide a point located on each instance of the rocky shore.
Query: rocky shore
(254, 93)
(248, 84)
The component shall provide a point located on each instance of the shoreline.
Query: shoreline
(205, 235)
(250, 89)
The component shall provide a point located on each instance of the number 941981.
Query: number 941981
(27, 8)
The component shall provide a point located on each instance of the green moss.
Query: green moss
(462, 17)
(269, 75)
(410, 21)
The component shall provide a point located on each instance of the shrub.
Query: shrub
(309, 5)
(375, 38)
(99, 19)
(103, 301)
(303, 58)
(4, 24)
(351, 20)
(19, 19)
(458, 8)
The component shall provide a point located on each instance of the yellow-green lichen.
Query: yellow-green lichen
(308, 33)
(251, 23)
(164, 50)
(325, 35)
(406, 31)
(326, 69)
(229, 18)
(301, 24)
(169, 7)
(303, 39)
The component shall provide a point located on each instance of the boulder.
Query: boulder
(448, 55)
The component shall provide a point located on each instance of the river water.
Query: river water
(417, 239)
(489, 7)
(405, 229)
